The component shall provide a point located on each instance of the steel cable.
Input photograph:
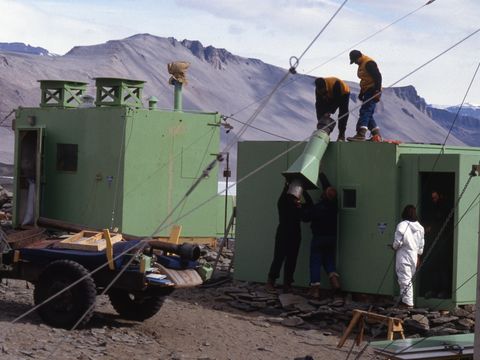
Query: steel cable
(256, 170)
(343, 52)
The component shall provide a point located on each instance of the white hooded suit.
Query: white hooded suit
(408, 243)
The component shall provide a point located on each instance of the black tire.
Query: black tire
(135, 306)
(67, 308)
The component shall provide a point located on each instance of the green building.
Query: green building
(115, 163)
(374, 182)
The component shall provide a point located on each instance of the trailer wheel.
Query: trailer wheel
(135, 306)
(66, 309)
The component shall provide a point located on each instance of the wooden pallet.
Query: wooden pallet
(88, 241)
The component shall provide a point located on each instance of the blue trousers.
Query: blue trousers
(322, 254)
(366, 113)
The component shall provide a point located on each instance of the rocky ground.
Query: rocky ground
(223, 319)
(196, 324)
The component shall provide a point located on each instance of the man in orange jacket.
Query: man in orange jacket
(370, 92)
(331, 94)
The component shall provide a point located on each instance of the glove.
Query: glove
(361, 96)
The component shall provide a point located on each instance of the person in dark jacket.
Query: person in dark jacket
(331, 94)
(287, 238)
(370, 92)
(323, 217)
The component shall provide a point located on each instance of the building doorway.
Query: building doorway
(28, 176)
(436, 203)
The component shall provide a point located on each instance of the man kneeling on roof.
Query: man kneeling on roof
(331, 94)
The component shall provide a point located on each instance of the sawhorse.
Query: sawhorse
(394, 325)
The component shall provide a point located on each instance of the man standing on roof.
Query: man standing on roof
(331, 94)
(370, 92)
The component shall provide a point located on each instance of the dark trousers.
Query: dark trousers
(322, 253)
(287, 244)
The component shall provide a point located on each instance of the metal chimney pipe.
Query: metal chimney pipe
(178, 70)
(177, 96)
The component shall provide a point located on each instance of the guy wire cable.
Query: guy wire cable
(257, 128)
(344, 51)
(441, 301)
(435, 307)
(121, 156)
(442, 150)
(436, 239)
(356, 107)
(258, 169)
(294, 62)
(425, 64)
(104, 291)
(162, 166)
(459, 287)
(461, 106)
(370, 36)
(437, 158)
(251, 173)
(206, 171)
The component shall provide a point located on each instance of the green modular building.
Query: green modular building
(114, 163)
(374, 182)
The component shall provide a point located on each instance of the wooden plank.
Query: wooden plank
(182, 278)
(88, 241)
(175, 234)
(109, 249)
(21, 239)
(198, 240)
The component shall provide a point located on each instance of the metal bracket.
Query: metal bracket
(475, 170)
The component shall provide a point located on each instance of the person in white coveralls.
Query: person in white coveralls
(408, 244)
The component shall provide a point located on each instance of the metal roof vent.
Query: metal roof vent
(119, 92)
(61, 93)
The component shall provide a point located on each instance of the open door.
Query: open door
(29, 169)
(437, 200)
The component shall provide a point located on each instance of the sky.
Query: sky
(275, 30)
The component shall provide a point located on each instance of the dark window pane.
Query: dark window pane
(349, 198)
(67, 157)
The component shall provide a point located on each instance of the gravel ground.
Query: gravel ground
(192, 324)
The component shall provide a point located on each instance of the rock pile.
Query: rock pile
(209, 255)
(334, 313)
(5, 206)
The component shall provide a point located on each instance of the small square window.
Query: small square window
(67, 157)
(349, 198)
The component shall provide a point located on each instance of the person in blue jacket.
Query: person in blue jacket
(323, 218)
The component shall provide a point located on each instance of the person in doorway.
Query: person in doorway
(439, 233)
(370, 92)
(323, 217)
(408, 244)
(331, 94)
(287, 238)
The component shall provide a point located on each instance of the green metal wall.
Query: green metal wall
(134, 166)
(386, 177)
(165, 153)
(84, 196)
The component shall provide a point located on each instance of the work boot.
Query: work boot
(360, 135)
(314, 290)
(287, 288)
(334, 281)
(376, 137)
(341, 136)
(270, 286)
